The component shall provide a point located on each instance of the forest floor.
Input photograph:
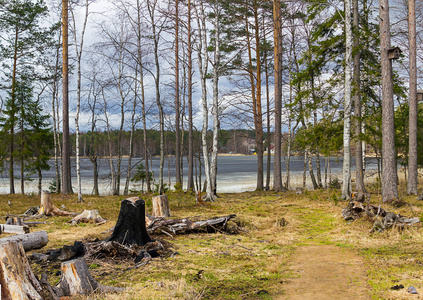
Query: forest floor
(311, 254)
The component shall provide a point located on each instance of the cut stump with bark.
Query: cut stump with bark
(49, 209)
(30, 241)
(88, 216)
(16, 278)
(130, 226)
(161, 206)
(77, 280)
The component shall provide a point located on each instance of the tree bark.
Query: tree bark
(190, 183)
(215, 109)
(202, 65)
(76, 280)
(130, 226)
(346, 167)
(66, 152)
(161, 206)
(389, 164)
(17, 281)
(413, 106)
(47, 207)
(277, 35)
(177, 100)
(360, 188)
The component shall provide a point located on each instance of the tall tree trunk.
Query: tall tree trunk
(55, 108)
(151, 5)
(305, 168)
(389, 164)
(268, 140)
(361, 190)
(215, 109)
(66, 148)
(277, 35)
(177, 100)
(12, 128)
(141, 72)
(190, 184)
(346, 167)
(202, 65)
(413, 108)
(78, 52)
(310, 170)
(258, 116)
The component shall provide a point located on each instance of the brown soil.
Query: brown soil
(326, 272)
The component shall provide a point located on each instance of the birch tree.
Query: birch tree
(203, 58)
(346, 166)
(79, 45)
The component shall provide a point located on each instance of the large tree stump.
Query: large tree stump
(30, 241)
(130, 226)
(16, 278)
(77, 280)
(161, 206)
(49, 209)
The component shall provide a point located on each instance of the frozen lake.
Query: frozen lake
(235, 174)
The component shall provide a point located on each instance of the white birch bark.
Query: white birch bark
(346, 168)
(78, 51)
(203, 66)
(215, 110)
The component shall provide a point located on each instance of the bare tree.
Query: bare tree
(156, 27)
(203, 67)
(79, 45)
(190, 183)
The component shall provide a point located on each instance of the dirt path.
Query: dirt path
(326, 272)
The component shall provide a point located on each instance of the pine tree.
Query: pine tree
(25, 42)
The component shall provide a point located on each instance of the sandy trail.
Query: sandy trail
(326, 272)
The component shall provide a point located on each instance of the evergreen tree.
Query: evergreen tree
(24, 43)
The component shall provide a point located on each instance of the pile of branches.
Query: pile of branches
(382, 219)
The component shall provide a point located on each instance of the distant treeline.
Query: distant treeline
(230, 141)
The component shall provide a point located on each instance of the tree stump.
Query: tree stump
(130, 226)
(16, 278)
(88, 216)
(30, 241)
(47, 207)
(77, 280)
(161, 206)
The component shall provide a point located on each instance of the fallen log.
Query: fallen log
(30, 241)
(16, 220)
(18, 229)
(88, 216)
(76, 280)
(180, 226)
(49, 209)
(130, 226)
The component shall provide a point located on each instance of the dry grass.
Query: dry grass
(220, 266)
